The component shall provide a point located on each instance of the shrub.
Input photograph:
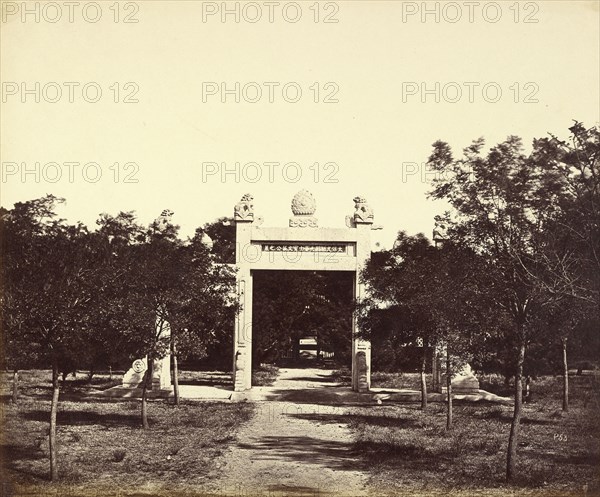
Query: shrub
(119, 455)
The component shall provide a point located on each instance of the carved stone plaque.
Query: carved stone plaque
(298, 247)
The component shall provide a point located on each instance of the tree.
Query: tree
(132, 276)
(202, 304)
(569, 193)
(389, 285)
(222, 233)
(426, 293)
(559, 324)
(188, 296)
(569, 247)
(73, 297)
(501, 203)
(462, 309)
(45, 299)
(157, 276)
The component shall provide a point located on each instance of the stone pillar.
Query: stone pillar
(242, 347)
(361, 348)
(242, 342)
(161, 377)
(361, 351)
(436, 368)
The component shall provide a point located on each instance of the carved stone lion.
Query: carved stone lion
(244, 209)
(363, 212)
(440, 230)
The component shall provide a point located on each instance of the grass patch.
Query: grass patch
(102, 446)
(409, 381)
(343, 376)
(409, 452)
(265, 375)
(379, 379)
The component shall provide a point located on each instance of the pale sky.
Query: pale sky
(375, 59)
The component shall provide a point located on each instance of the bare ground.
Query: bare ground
(283, 451)
(302, 442)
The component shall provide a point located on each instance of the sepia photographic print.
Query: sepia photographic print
(301, 248)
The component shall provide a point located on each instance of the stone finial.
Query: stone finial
(363, 212)
(440, 231)
(244, 209)
(304, 204)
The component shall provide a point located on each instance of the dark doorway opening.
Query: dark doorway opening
(302, 318)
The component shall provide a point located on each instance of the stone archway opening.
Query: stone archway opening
(302, 246)
(302, 319)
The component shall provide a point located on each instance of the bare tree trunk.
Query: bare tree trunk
(90, 375)
(15, 386)
(423, 379)
(507, 378)
(110, 373)
(516, 421)
(434, 371)
(53, 413)
(175, 370)
(565, 404)
(147, 380)
(145, 424)
(449, 391)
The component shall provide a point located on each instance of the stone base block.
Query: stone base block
(463, 384)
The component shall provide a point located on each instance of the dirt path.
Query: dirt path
(294, 448)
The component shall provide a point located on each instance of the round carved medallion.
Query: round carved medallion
(139, 366)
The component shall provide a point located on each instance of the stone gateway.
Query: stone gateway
(301, 246)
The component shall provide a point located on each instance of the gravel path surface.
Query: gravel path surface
(294, 448)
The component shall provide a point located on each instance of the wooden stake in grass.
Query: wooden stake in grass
(449, 391)
(565, 404)
(175, 369)
(147, 380)
(15, 386)
(511, 455)
(423, 378)
(53, 413)
(434, 371)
